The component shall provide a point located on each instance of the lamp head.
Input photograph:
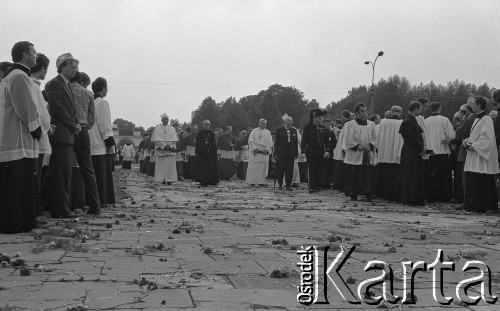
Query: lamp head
(367, 62)
(380, 53)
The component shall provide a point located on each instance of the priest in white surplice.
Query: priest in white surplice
(260, 144)
(358, 143)
(389, 143)
(165, 139)
(481, 164)
(440, 132)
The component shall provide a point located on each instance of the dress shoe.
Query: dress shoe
(289, 189)
(295, 185)
(313, 191)
(280, 188)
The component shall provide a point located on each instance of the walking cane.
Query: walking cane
(275, 173)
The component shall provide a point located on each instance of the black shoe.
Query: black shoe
(203, 184)
(262, 185)
(354, 197)
(313, 191)
(289, 189)
(169, 183)
(280, 188)
(295, 185)
(163, 182)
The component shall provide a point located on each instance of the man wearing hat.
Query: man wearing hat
(316, 147)
(62, 113)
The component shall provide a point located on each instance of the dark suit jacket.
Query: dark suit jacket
(463, 132)
(284, 149)
(62, 110)
(315, 140)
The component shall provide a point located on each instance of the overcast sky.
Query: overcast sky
(167, 56)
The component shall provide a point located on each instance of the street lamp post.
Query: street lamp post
(372, 90)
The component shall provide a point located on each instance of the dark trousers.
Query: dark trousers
(38, 175)
(18, 195)
(357, 179)
(327, 174)
(82, 152)
(285, 168)
(186, 169)
(103, 167)
(315, 164)
(338, 175)
(458, 182)
(192, 160)
(57, 182)
(439, 178)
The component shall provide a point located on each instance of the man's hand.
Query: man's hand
(265, 152)
(326, 155)
(51, 130)
(446, 141)
(78, 129)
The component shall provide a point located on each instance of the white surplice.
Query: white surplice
(389, 141)
(128, 152)
(354, 135)
(482, 156)
(438, 128)
(337, 152)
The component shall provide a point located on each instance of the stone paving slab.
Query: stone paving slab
(224, 267)
(225, 259)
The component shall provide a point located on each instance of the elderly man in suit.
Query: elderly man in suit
(62, 112)
(286, 151)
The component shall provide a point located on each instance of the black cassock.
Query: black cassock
(206, 153)
(411, 185)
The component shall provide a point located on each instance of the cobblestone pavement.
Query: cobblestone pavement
(232, 247)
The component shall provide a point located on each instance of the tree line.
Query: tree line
(276, 100)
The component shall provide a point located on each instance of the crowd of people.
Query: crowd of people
(57, 148)
(409, 158)
(56, 144)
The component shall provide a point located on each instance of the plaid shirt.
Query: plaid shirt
(84, 104)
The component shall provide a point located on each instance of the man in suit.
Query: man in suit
(286, 151)
(62, 112)
(315, 145)
(327, 174)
